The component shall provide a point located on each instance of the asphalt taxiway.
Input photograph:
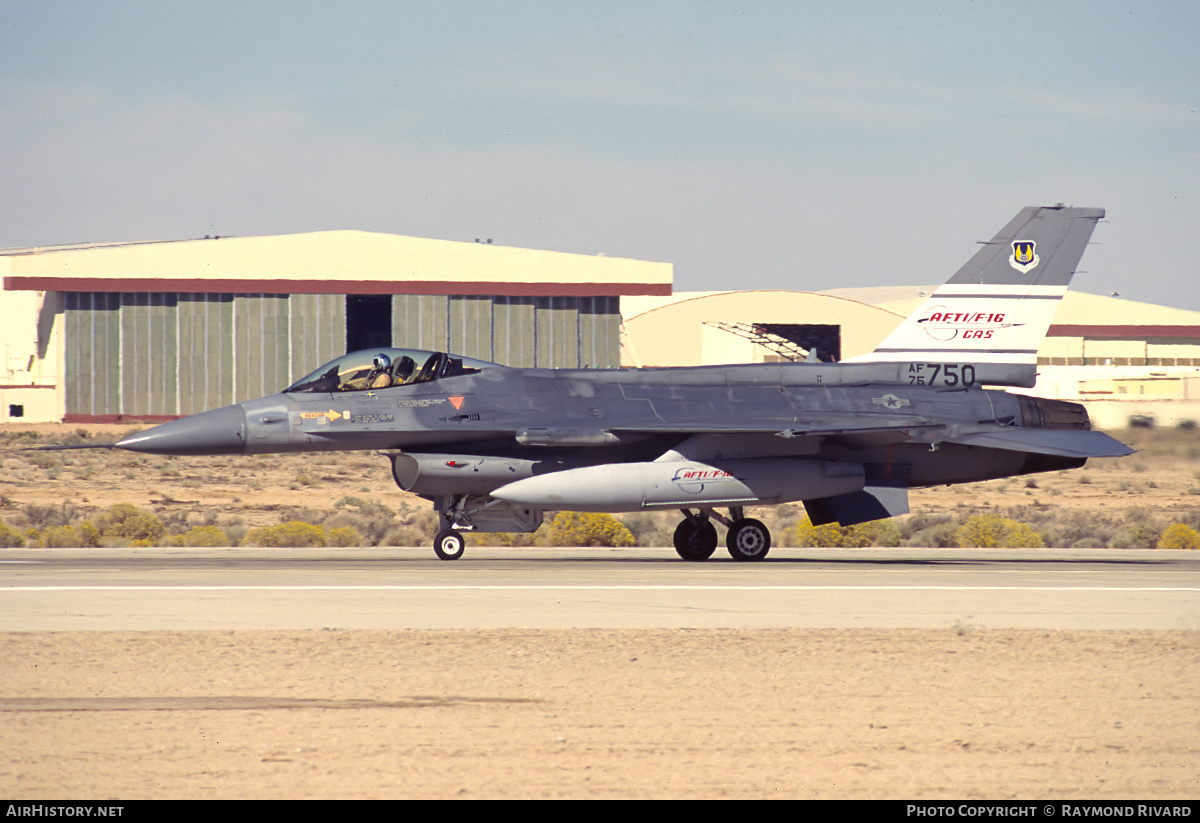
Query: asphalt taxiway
(398, 588)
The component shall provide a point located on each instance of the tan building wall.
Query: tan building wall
(30, 356)
(677, 333)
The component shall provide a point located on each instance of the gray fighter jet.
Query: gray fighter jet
(494, 448)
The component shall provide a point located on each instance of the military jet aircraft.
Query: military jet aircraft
(494, 448)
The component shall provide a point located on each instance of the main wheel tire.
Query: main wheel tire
(449, 545)
(748, 539)
(695, 542)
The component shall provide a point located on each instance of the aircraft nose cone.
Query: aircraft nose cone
(221, 431)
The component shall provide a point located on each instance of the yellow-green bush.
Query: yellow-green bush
(588, 529)
(345, 536)
(292, 534)
(991, 531)
(70, 537)
(1179, 536)
(205, 536)
(127, 522)
(860, 535)
(10, 538)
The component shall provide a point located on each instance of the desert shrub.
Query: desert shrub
(174, 522)
(59, 537)
(643, 526)
(236, 528)
(1190, 518)
(990, 531)
(860, 535)
(783, 521)
(292, 534)
(409, 535)
(125, 521)
(1179, 536)
(929, 530)
(588, 529)
(10, 538)
(345, 536)
(1140, 531)
(413, 526)
(205, 536)
(70, 537)
(373, 521)
(874, 533)
(1071, 529)
(44, 460)
(827, 536)
(507, 539)
(40, 517)
(303, 514)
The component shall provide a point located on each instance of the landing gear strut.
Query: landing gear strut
(696, 537)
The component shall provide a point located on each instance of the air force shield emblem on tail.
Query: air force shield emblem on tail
(1024, 256)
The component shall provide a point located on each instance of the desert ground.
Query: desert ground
(960, 713)
(601, 714)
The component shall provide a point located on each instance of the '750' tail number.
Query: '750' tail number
(941, 374)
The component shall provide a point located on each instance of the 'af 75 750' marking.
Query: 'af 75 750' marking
(941, 374)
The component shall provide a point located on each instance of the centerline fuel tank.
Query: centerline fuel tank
(685, 484)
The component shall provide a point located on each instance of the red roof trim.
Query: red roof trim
(120, 418)
(1080, 330)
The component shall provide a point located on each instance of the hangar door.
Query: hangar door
(167, 354)
(543, 332)
(170, 354)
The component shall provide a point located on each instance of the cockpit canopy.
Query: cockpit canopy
(384, 368)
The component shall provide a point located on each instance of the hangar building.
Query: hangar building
(154, 330)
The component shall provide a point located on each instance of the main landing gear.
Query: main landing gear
(696, 536)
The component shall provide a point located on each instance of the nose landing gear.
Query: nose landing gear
(449, 545)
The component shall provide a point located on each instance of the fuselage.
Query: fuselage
(884, 416)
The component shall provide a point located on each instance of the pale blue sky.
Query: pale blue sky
(754, 145)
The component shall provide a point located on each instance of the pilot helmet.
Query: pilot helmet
(382, 362)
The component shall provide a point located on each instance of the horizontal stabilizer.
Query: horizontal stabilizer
(1058, 442)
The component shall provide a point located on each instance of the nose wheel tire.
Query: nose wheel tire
(449, 545)
(748, 539)
(695, 541)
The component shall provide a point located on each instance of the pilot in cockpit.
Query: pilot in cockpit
(378, 376)
(381, 372)
(374, 369)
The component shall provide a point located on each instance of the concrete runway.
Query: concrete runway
(399, 588)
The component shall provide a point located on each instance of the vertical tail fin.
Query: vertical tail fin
(993, 313)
